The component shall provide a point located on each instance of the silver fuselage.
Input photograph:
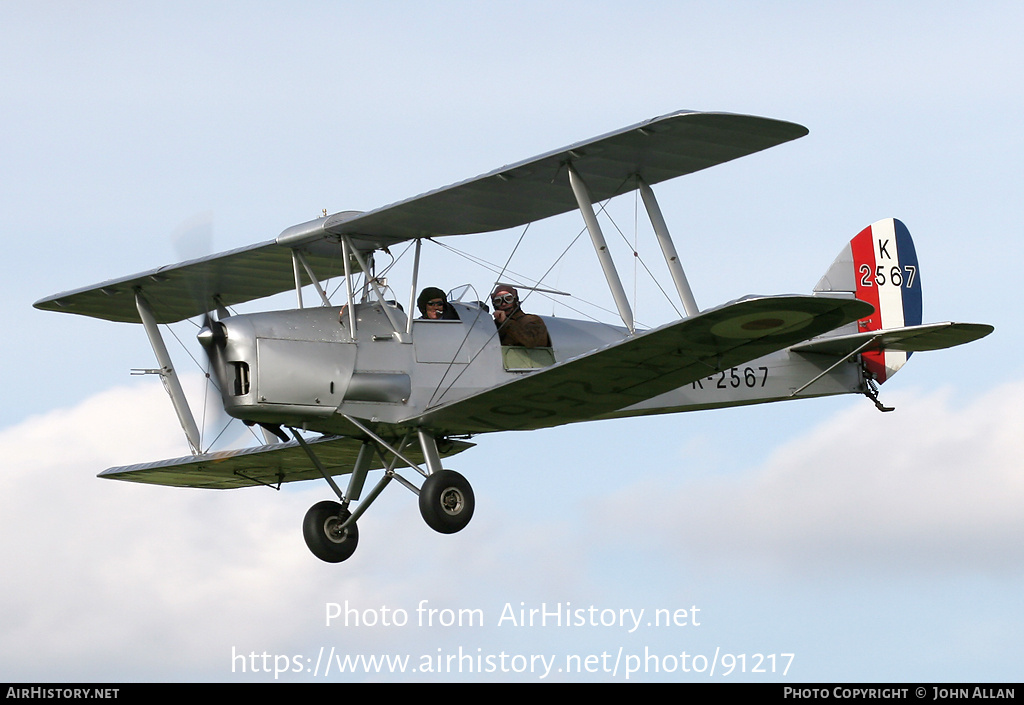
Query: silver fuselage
(302, 367)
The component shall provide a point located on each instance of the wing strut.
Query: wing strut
(412, 290)
(346, 252)
(668, 248)
(299, 259)
(582, 193)
(167, 374)
(399, 334)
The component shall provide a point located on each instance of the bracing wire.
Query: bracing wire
(504, 268)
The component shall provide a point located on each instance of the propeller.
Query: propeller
(193, 239)
(212, 334)
(212, 338)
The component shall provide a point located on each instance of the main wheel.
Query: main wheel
(323, 533)
(446, 502)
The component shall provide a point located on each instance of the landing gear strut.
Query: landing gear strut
(446, 498)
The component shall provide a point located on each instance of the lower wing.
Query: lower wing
(263, 465)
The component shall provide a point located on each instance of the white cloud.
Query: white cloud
(113, 580)
(934, 486)
(117, 581)
(106, 577)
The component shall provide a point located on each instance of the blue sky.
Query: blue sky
(870, 546)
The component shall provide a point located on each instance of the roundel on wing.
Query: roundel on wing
(762, 323)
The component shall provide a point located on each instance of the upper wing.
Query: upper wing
(658, 149)
(645, 365)
(262, 465)
(192, 288)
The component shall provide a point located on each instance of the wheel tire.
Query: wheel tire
(446, 502)
(319, 529)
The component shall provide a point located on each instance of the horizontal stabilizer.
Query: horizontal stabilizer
(933, 336)
(262, 465)
(645, 365)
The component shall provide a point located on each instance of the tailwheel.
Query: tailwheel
(323, 533)
(446, 501)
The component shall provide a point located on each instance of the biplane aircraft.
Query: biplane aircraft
(385, 390)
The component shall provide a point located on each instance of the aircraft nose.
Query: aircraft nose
(212, 334)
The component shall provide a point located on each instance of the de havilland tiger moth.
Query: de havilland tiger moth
(361, 384)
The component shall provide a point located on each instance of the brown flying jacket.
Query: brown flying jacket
(524, 329)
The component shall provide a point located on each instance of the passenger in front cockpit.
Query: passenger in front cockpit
(433, 305)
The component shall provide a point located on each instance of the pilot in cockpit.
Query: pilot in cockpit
(515, 327)
(433, 305)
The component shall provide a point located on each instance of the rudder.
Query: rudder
(879, 266)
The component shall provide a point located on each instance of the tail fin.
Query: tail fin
(880, 266)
